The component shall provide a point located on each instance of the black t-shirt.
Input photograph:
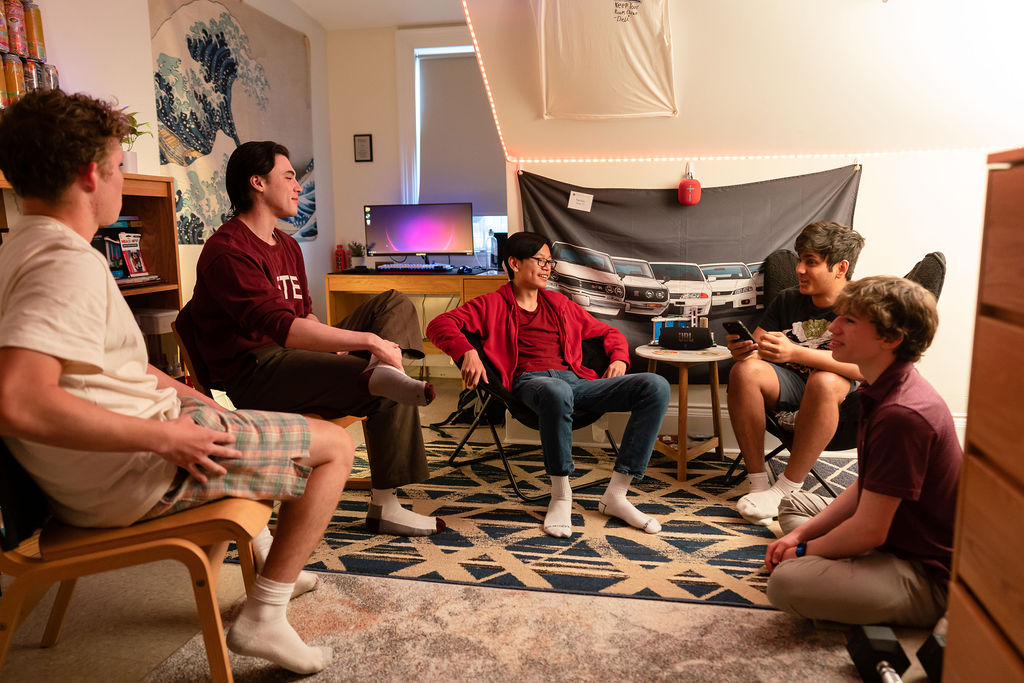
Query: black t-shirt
(804, 323)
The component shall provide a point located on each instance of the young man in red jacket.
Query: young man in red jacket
(881, 552)
(534, 337)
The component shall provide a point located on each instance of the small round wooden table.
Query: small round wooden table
(684, 360)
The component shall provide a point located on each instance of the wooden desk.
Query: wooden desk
(345, 291)
(683, 360)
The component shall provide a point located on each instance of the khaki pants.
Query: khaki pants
(874, 588)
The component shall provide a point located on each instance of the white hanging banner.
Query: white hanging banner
(605, 58)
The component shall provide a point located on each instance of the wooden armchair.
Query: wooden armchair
(39, 552)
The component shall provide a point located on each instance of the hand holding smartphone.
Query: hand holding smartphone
(737, 327)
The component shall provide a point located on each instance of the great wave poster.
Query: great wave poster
(225, 73)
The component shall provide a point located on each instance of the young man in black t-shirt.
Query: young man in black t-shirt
(789, 368)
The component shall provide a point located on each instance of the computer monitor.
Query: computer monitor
(418, 229)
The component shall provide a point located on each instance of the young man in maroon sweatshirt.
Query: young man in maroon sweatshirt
(263, 345)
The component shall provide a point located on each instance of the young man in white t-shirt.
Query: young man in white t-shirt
(108, 438)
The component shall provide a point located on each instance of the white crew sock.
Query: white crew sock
(760, 507)
(558, 520)
(306, 582)
(758, 482)
(615, 504)
(388, 381)
(387, 516)
(262, 630)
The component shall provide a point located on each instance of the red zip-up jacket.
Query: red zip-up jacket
(494, 317)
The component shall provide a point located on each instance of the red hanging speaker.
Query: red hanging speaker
(689, 188)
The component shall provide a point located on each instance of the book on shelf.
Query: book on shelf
(132, 253)
(111, 248)
(124, 222)
(136, 281)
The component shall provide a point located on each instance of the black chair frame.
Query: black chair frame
(492, 389)
(844, 439)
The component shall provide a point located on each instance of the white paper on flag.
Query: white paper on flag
(605, 58)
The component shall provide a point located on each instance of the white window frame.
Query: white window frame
(409, 45)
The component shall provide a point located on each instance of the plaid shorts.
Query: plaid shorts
(269, 442)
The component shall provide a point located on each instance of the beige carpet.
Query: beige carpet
(385, 629)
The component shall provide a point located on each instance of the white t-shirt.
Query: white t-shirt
(57, 297)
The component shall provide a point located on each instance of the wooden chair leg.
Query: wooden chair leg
(359, 484)
(215, 556)
(57, 613)
(10, 615)
(245, 558)
(26, 595)
(211, 626)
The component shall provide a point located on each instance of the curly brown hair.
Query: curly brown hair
(897, 307)
(48, 136)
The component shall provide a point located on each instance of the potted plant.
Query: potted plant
(358, 252)
(136, 130)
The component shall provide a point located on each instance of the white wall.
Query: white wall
(363, 99)
(104, 49)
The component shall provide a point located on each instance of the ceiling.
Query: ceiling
(354, 14)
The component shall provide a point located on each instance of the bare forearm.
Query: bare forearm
(849, 539)
(862, 531)
(821, 359)
(52, 416)
(313, 335)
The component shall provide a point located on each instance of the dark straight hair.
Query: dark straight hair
(522, 245)
(249, 159)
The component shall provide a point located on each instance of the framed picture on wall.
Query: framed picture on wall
(363, 144)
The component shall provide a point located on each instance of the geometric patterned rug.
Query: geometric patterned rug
(705, 552)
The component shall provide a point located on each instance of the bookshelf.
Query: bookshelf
(151, 198)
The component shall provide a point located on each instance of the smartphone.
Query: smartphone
(737, 327)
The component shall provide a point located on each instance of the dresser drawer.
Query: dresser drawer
(997, 380)
(990, 545)
(975, 649)
(1002, 277)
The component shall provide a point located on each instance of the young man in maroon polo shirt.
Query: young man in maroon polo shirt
(880, 552)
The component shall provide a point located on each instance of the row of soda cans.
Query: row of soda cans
(22, 76)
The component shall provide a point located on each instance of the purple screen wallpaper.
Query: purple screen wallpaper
(419, 229)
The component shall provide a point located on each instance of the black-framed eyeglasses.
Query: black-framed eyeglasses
(544, 262)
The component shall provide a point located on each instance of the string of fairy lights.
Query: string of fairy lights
(857, 157)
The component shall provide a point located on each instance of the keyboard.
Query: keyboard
(402, 268)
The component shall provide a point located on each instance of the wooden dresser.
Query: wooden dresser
(985, 640)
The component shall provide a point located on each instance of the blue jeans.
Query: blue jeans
(555, 394)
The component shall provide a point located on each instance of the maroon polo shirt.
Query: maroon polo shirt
(907, 448)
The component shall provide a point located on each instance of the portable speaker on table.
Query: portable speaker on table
(686, 338)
